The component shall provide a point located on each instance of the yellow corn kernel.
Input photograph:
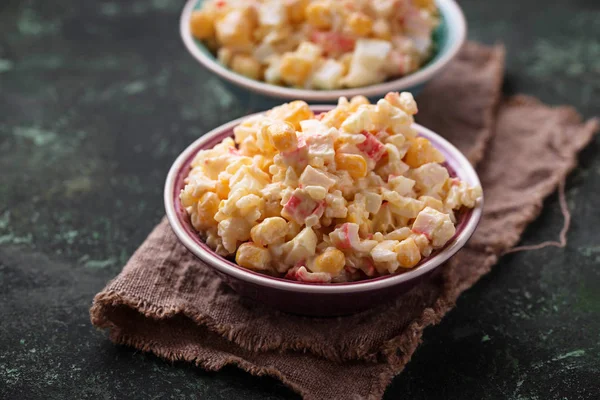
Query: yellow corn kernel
(222, 188)
(420, 152)
(211, 44)
(381, 30)
(261, 32)
(335, 118)
(235, 29)
(355, 164)
(357, 101)
(425, 4)
(294, 70)
(360, 24)
(318, 15)
(208, 205)
(292, 112)
(247, 66)
(353, 218)
(282, 136)
(408, 253)
(331, 261)
(202, 25)
(296, 10)
(271, 230)
(252, 256)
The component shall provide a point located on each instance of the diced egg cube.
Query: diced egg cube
(327, 76)
(369, 57)
(435, 225)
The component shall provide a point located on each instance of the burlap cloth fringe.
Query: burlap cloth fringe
(166, 302)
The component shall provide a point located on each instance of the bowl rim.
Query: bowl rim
(457, 26)
(467, 172)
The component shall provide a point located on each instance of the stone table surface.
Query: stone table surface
(96, 100)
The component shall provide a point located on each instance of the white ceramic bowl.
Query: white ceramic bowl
(314, 298)
(449, 38)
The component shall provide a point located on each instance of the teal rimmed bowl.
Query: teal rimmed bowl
(448, 38)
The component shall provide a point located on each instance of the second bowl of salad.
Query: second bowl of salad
(320, 50)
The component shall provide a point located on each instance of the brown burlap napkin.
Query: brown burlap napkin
(166, 302)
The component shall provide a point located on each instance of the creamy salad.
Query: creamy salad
(318, 44)
(344, 195)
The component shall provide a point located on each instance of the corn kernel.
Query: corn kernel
(211, 44)
(202, 25)
(331, 261)
(271, 230)
(252, 256)
(283, 136)
(247, 66)
(208, 205)
(235, 29)
(357, 101)
(335, 118)
(408, 253)
(354, 218)
(420, 152)
(360, 24)
(294, 70)
(318, 15)
(428, 5)
(222, 188)
(296, 10)
(293, 112)
(261, 32)
(355, 164)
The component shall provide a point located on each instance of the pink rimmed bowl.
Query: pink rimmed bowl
(313, 298)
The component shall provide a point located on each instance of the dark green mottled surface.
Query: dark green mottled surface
(96, 100)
